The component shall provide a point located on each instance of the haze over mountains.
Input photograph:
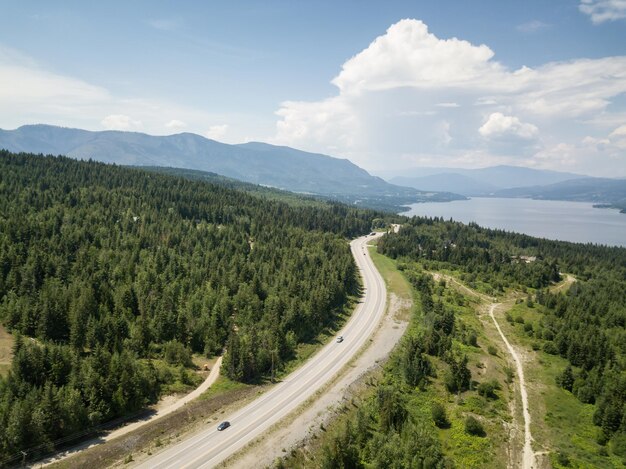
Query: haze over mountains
(258, 163)
(481, 181)
(518, 182)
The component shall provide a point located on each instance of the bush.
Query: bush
(474, 427)
(492, 350)
(488, 389)
(438, 412)
(176, 353)
(618, 444)
(562, 459)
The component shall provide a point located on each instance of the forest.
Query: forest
(105, 269)
(586, 325)
(390, 428)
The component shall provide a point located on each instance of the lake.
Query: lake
(566, 221)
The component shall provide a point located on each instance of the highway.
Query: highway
(209, 447)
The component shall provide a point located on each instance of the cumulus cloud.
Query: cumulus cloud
(175, 124)
(499, 125)
(216, 132)
(410, 97)
(120, 122)
(408, 55)
(603, 10)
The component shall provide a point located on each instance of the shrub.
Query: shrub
(562, 459)
(492, 350)
(474, 427)
(176, 353)
(488, 389)
(438, 412)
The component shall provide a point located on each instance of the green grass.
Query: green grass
(222, 385)
(6, 350)
(395, 281)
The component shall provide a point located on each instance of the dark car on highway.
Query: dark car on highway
(223, 426)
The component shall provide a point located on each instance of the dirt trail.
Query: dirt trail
(564, 285)
(213, 375)
(528, 457)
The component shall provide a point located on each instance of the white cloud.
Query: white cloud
(216, 132)
(618, 139)
(619, 132)
(394, 95)
(120, 122)
(22, 81)
(31, 94)
(499, 125)
(603, 10)
(408, 55)
(176, 124)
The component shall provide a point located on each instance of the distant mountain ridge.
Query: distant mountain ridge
(599, 190)
(259, 163)
(481, 181)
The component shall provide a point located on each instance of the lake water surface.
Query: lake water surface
(567, 221)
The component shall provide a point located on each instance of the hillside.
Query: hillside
(258, 163)
(112, 278)
(599, 190)
(449, 396)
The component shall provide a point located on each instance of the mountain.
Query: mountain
(482, 181)
(600, 190)
(259, 163)
(452, 182)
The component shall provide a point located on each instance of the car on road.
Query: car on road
(372, 233)
(223, 426)
(339, 339)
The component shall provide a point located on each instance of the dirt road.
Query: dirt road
(528, 457)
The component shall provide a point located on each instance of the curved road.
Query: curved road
(210, 447)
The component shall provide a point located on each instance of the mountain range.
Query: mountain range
(519, 182)
(259, 163)
(481, 181)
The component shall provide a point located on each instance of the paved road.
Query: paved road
(210, 447)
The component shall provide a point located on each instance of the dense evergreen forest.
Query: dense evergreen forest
(586, 325)
(104, 269)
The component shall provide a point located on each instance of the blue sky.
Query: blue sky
(534, 83)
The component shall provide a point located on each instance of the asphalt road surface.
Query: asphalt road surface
(209, 447)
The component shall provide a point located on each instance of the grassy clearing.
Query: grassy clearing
(395, 281)
(6, 350)
(223, 385)
(560, 422)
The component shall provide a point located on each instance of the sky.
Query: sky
(391, 85)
